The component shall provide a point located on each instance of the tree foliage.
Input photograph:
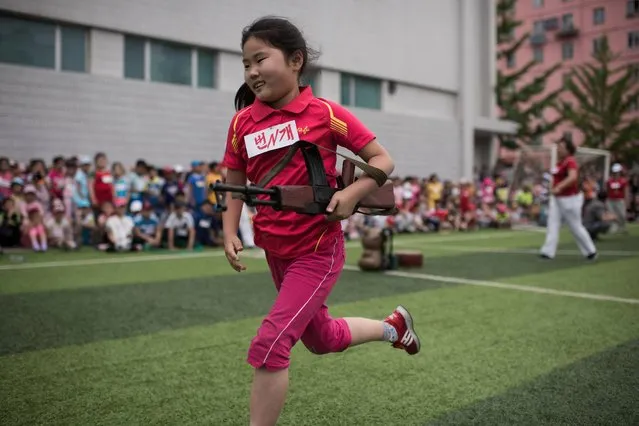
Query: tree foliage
(603, 96)
(519, 101)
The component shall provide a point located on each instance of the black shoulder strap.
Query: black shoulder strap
(375, 173)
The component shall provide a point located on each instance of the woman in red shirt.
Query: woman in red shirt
(102, 182)
(565, 203)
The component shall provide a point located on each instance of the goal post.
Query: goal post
(533, 162)
(594, 164)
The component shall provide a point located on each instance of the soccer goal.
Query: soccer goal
(536, 161)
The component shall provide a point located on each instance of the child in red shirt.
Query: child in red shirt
(305, 253)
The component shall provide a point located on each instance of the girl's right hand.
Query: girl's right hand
(232, 248)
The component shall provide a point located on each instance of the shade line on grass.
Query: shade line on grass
(110, 260)
(504, 286)
(133, 258)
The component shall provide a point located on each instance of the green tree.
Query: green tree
(603, 96)
(519, 101)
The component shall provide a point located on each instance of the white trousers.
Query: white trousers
(569, 209)
(246, 228)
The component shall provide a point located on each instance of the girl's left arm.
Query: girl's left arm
(377, 156)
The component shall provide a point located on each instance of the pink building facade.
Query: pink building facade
(567, 32)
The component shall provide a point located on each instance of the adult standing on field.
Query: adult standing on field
(566, 201)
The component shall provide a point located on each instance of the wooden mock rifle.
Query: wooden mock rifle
(313, 198)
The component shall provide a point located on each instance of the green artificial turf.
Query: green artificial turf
(164, 341)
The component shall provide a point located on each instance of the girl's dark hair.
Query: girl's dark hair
(281, 34)
(570, 146)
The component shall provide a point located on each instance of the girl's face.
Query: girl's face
(562, 152)
(107, 209)
(4, 165)
(71, 171)
(16, 189)
(8, 205)
(38, 166)
(118, 170)
(268, 73)
(101, 162)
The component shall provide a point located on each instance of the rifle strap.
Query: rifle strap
(377, 174)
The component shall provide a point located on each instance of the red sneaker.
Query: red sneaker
(406, 337)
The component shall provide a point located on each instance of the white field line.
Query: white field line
(504, 286)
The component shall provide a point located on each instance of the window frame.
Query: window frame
(352, 100)
(595, 21)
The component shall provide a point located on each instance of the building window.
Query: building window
(567, 50)
(42, 44)
(633, 40)
(538, 3)
(598, 16)
(205, 68)
(632, 8)
(551, 24)
(597, 43)
(510, 60)
(538, 54)
(74, 49)
(27, 42)
(134, 57)
(170, 63)
(539, 27)
(361, 91)
(567, 21)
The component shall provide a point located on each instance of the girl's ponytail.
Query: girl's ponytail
(244, 97)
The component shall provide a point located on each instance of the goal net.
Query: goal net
(534, 165)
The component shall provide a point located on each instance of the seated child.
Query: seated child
(147, 231)
(59, 230)
(119, 230)
(34, 233)
(31, 202)
(180, 227)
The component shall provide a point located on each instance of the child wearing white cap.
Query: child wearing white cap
(617, 188)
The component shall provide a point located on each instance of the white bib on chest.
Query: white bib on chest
(272, 138)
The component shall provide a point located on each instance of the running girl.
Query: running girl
(305, 253)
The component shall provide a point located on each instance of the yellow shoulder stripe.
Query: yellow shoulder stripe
(336, 124)
(234, 140)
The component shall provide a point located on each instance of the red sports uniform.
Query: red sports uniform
(561, 172)
(305, 252)
(617, 188)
